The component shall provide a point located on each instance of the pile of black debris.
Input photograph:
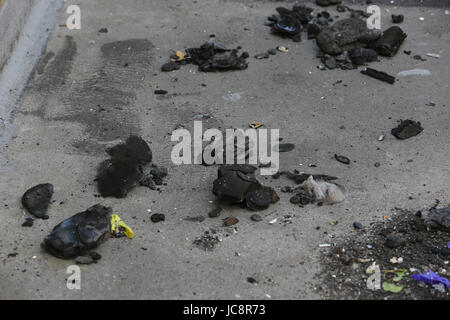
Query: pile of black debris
(210, 57)
(345, 44)
(237, 184)
(154, 178)
(124, 170)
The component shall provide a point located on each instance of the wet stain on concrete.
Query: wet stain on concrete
(288, 78)
(174, 95)
(44, 61)
(103, 103)
(54, 75)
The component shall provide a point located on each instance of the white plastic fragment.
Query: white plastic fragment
(381, 137)
(434, 55)
(233, 97)
(395, 260)
(414, 72)
(323, 245)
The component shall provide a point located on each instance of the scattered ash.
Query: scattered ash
(343, 266)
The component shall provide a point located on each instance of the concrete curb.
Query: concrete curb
(13, 16)
(24, 30)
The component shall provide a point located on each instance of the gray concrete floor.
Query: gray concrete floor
(60, 138)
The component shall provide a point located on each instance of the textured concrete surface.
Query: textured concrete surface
(25, 27)
(13, 15)
(82, 99)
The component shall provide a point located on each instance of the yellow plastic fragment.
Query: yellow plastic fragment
(255, 125)
(117, 224)
(180, 55)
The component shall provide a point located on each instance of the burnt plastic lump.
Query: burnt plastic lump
(83, 231)
(289, 22)
(407, 129)
(119, 174)
(345, 35)
(210, 57)
(380, 75)
(360, 56)
(437, 219)
(237, 184)
(214, 56)
(37, 199)
(390, 41)
(397, 18)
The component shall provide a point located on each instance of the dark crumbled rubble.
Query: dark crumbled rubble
(154, 178)
(343, 266)
(345, 35)
(436, 219)
(119, 174)
(361, 56)
(301, 197)
(207, 241)
(345, 44)
(211, 56)
(394, 241)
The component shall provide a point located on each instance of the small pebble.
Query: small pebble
(157, 217)
(215, 212)
(357, 225)
(84, 260)
(251, 280)
(256, 217)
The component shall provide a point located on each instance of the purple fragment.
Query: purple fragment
(431, 278)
